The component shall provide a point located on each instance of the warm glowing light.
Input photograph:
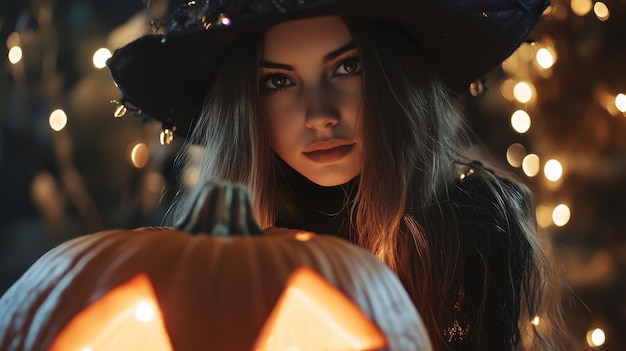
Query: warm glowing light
(100, 57)
(535, 321)
(304, 236)
(520, 121)
(13, 40)
(507, 89)
(596, 337)
(620, 102)
(553, 170)
(15, 54)
(118, 321)
(312, 314)
(144, 312)
(140, 155)
(526, 51)
(57, 120)
(544, 216)
(511, 64)
(601, 11)
(226, 21)
(530, 165)
(544, 57)
(523, 92)
(166, 137)
(559, 11)
(515, 154)
(581, 7)
(561, 215)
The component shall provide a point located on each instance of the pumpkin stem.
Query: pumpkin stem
(221, 209)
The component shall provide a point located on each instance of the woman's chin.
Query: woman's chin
(329, 179)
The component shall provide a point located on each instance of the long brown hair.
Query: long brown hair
(407, 209)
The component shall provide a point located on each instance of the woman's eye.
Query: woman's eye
(276, 82)
(348, 67)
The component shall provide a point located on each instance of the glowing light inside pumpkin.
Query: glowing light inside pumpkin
(126, 318)
(312, 314)
(304, 236)
(144, 312)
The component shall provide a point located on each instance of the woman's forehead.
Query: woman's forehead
(303, 37)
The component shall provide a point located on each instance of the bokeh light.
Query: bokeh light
(620, 102)
(515, 154)
(520, 121)
(601, 11)
(581, 7)
(15, 54)
(523, 92)
(545, 58)
(553, 170)
(530, 165)
(561, 215)
(507, 89)
(100, 58)
(13, 39)
(57, 120)
(544, 216)
(139, 155)
(596, 337)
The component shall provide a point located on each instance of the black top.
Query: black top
(485, 243)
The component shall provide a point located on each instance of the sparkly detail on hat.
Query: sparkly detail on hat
(204, 14)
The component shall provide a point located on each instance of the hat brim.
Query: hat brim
(169, 76)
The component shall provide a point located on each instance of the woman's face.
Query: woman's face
(310, 78)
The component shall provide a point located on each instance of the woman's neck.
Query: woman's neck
(309, 206)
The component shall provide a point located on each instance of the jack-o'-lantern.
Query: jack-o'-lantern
(227, 288)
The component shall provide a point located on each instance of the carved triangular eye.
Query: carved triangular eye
(126, 318)
(313, 315)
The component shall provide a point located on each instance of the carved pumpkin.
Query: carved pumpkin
(160, 288)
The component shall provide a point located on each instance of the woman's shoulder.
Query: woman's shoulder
(484, 190)
(489, 206)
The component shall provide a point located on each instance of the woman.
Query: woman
(346, 122)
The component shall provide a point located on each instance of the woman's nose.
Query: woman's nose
(321, 112)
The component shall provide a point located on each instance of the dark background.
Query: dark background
(58, 185)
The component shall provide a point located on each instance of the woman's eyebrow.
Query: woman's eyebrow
(337, 52)
(270, 64)
(328, 57)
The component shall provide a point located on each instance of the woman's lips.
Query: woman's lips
(328, 151)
